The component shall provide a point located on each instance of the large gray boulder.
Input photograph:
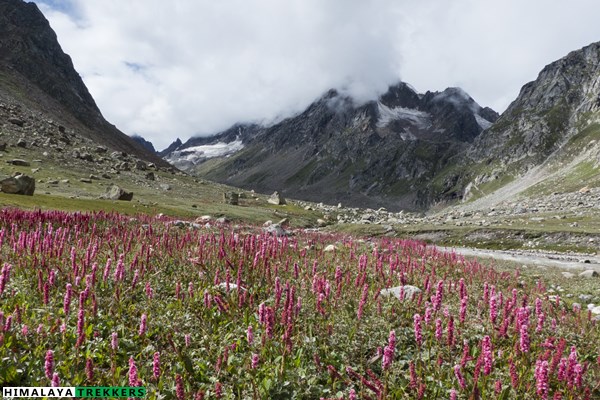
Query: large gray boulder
(20, 184)
(117, 193)
(276, 199)
(409, 292)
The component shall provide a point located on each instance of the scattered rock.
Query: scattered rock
(275, 229)
(116, 193)
(204, 219)
(590, 273)
(284, 222)
(20, 184)
(231, 198)
(16, 121)
(276, 199)
(140, 165)
(19, 162)
(409, 292)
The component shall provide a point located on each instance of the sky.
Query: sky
(183, 68)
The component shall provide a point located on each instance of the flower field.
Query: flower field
(104, 299)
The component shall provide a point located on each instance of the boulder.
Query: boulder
(116, 193)
(590, 273)
(16, 121)
(409, 292)
(140, 165)
(19, 162)
(276, 199)
(276, 230)
(20, 184)
(231, 198)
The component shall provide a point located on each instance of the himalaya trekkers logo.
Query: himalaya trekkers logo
(78, 392)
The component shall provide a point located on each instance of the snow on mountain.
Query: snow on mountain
(386, 115)
(197, 154)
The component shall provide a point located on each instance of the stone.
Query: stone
(165, 186)
(596, 310)
(590, 273)
(19, 162)
(276, 230)
(204, 219)
(101, 149)
(231, 198)
(329, 248)
(568, 275)
(284, 222)
(409, 292)
(321, 223)
(20, 184)
(140, 165)
(3, 146)
(106, 176)
(150, 176)
(16, 121)
(92, 176)
(115, 192)
(85, 180)
(276, 199)
(86, 157)
(222, 220)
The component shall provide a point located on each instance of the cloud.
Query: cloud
(194, 67)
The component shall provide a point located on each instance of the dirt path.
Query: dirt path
(566, 261)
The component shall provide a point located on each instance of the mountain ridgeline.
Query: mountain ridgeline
(414, 151)
(383, 153)
(36, 75)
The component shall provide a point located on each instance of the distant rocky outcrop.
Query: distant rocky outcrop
(145, 143)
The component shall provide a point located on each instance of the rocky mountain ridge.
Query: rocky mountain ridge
(382, 153)
(36, 75)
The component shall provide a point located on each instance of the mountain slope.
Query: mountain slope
(36, 74)
(382, 153)
(547, 139)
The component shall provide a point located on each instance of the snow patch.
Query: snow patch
(483, 123)
(386, 115)
(197, 154)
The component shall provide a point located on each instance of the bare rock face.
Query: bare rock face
(20, 184)
(117, 193)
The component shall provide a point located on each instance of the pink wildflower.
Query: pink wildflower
(486, 351)
(541, 377)
(156, 365)
(49, 364)
(459, 376)
(55, 380)
(143, 327)
(417, 329)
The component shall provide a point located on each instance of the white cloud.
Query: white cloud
(167, 69)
